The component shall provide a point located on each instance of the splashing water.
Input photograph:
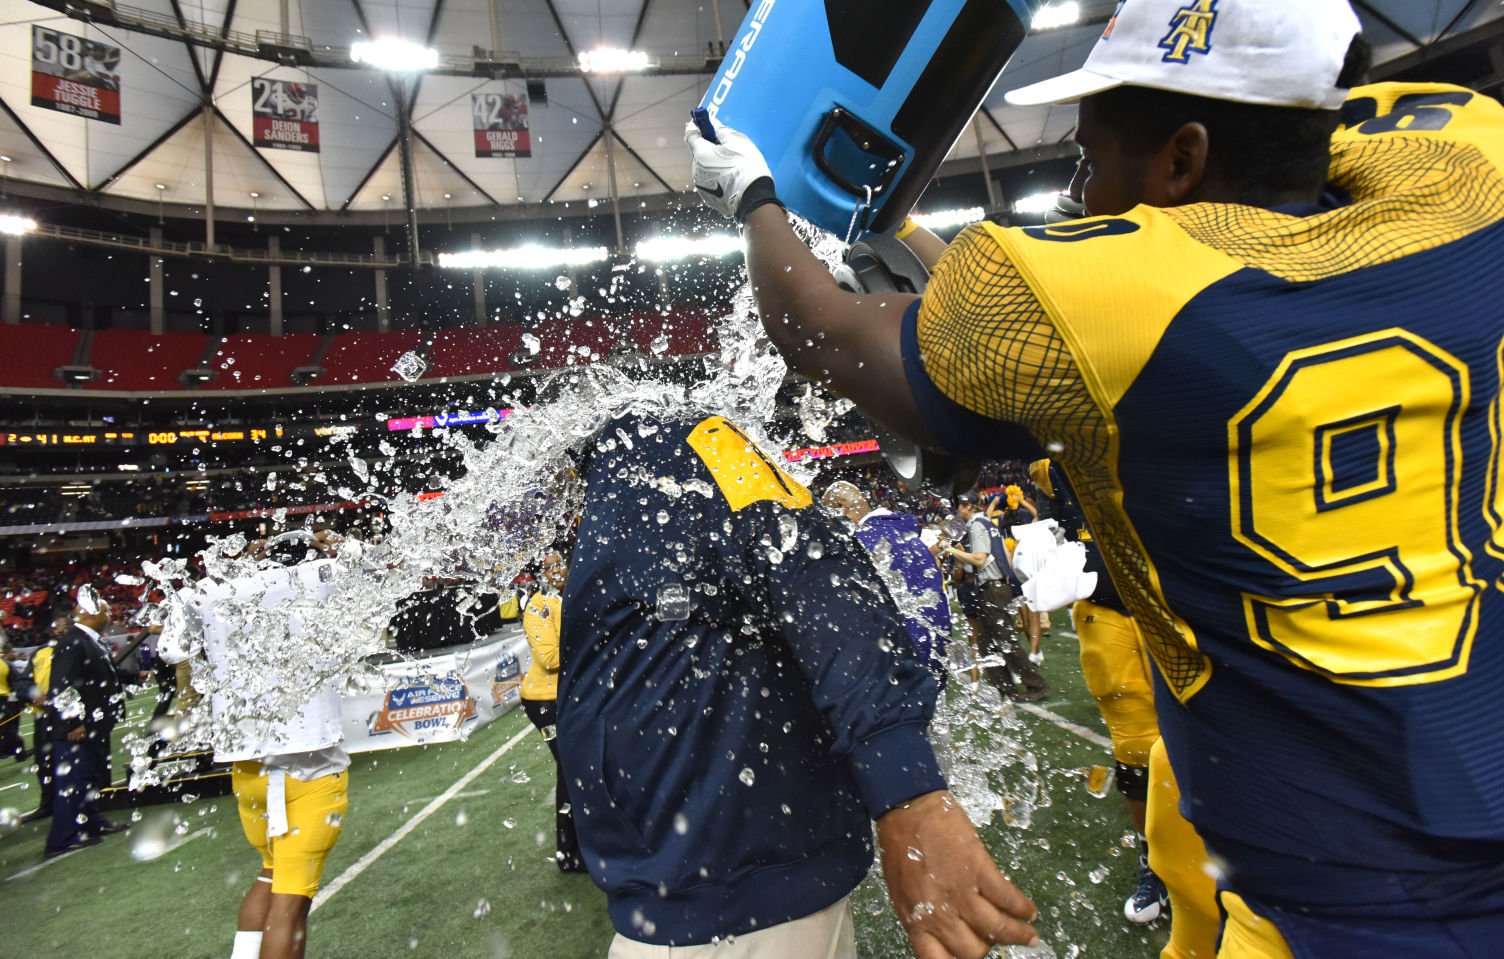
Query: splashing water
(510, 500)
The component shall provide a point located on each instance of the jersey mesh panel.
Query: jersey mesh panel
(989, 345)
(1410, 194)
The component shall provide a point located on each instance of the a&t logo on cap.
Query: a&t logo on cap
(1190, 31)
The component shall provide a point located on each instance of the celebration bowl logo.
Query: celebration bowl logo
(425, 705)
(506, 684)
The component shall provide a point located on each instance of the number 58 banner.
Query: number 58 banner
(72, 75)
(501, 125)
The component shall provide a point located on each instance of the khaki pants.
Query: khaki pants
(828, 934)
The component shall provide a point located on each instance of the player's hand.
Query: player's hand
(76, 734)
(947, 891)
(723, 171)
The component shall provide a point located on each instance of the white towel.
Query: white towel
(1061, 581)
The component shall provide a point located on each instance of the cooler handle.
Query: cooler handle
(868, 140)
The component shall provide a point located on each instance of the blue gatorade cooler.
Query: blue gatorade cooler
(843, 96)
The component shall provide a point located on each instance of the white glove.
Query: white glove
(723, 171)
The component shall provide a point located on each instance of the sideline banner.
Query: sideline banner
(501, 128)
(440, 698)
(72, 75)
(285, 115)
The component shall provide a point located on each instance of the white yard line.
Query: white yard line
(365, 862)
(467, 794)
(1065, 724)
(14, 786)
(32, 870)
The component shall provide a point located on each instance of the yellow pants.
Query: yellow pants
(315, 816)
(1116, 669)
(1247, 935)
(1178, 857)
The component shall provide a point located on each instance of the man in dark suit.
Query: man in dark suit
(84, 702)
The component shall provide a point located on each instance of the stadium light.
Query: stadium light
(13, 225)
(944, 219)
(523, 258)
(610, 60)
(394, 55)
(1054, 15)
(1035, 203)
(670, 249)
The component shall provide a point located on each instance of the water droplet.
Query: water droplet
(747, 776)
(915, 854)
(681, 823)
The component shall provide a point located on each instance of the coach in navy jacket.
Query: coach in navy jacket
(739, 699)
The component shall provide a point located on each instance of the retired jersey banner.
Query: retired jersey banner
(501, 125)
(285, 115)
(439, 698)
(72, 75)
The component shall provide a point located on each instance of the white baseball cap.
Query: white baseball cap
(1286, 53)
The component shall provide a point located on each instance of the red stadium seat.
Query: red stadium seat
(139, 360)
(29, 352)
(470, 351)
(366, 357)
(247, 361)
(573, 342)
(683, 332)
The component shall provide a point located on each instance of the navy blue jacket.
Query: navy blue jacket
(738, 697)
(80, 663)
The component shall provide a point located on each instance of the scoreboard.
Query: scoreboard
(183, 437)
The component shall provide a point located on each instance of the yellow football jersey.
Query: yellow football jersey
(1284, 427)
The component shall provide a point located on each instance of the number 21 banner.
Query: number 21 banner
(501, 125)
(285, 115)
(72, 75)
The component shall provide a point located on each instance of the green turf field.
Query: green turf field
(475, 877)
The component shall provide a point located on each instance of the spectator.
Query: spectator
(84, 702)
(906, 565)
(12, 703)
(540, 692)
(996, 636)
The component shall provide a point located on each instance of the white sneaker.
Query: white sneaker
(1036, 658)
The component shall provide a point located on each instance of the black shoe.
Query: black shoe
(83, 843)
(41, 812)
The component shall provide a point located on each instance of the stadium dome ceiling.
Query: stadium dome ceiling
(189, 71)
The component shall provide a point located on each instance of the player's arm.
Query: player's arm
(849, 342)
(861, 346)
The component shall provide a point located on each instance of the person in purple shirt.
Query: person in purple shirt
(907, 566)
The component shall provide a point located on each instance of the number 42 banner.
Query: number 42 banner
(501, 125)
(72, 75)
